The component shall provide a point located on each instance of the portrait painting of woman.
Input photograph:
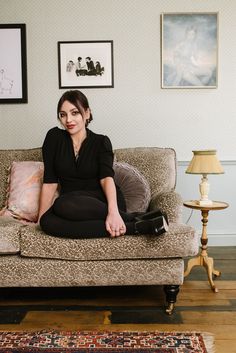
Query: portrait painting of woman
(189, 50)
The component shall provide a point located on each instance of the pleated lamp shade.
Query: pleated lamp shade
(205, 162)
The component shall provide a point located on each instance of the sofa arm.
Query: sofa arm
(171, 203)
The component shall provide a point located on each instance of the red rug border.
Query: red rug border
(206, 340)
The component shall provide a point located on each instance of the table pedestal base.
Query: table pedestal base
(206, 262)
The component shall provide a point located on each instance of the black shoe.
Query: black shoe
(150, 215)
(154, 222)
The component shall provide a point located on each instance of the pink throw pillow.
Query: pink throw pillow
(25, 184)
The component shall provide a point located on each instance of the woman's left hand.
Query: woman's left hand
(115, 225)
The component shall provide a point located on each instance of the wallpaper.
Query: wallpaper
(137, 111)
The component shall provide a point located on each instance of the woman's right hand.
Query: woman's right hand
(115, 224)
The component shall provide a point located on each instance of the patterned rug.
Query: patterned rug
(105, 342)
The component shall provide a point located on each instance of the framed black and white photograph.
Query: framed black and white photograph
(13, 66)
(189, 50)
(85, 64)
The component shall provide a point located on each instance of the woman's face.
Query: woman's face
(71, 118)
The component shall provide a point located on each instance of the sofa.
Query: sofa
(30, 258)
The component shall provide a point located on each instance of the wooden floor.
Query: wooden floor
(132, 308)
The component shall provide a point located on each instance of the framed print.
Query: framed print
(13, 70)
(85, 64)
(189, 55)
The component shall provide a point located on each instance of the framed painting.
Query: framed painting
(86, 64)
(13, 68)
(189, 55)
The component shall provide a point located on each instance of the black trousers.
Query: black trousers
(82, 214)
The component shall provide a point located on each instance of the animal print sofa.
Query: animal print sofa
(30, 258)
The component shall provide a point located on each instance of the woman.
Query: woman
(90, 205)
(188, 69)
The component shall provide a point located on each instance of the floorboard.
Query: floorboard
(132, 307)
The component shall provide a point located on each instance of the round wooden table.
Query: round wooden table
(203, 259)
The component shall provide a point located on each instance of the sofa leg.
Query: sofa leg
(171, 292)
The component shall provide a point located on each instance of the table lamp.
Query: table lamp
(204, 162)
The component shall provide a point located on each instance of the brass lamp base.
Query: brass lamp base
(204, 202)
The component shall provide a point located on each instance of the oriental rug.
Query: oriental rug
(105, 342)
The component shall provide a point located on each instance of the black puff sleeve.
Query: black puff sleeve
(106, 158)
(49, 152)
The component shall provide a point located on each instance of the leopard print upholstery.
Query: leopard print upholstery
(9, 236)
(131, 260)
(179, 241)
(19, 271)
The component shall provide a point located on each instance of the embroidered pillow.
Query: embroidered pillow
(134, 186)
(24, 189)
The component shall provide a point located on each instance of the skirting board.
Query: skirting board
(221, 239)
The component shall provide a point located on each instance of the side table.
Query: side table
(203, 259)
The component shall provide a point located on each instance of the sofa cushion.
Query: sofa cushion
(133, 185)
(24, 189)
(6, 159)
(180, 240)
(18, 271)
(9, 236)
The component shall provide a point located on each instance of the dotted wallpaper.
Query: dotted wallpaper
(137, 111)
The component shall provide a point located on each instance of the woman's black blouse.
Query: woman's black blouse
(95, 160)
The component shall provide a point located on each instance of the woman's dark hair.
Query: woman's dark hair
(78, 99)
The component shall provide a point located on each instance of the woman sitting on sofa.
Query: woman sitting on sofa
(90, 205)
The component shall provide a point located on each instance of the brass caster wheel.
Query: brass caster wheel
(170, 308)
